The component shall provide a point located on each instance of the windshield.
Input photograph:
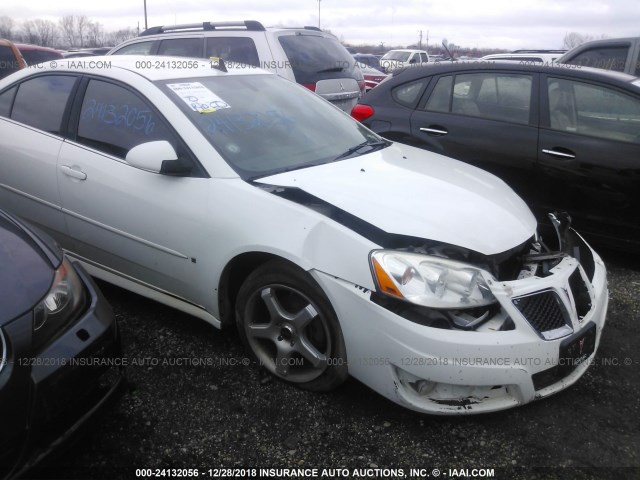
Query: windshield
(396, 55)
(264, 124)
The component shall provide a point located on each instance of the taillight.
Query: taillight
(362, 112)
(310, 86)
(362, 86)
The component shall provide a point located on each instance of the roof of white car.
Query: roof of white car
(151, 67)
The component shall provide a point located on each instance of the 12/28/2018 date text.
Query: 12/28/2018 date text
(195, 472)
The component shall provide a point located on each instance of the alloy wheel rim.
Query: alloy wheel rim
(288, 333)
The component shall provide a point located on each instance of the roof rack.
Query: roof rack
(539, 51)
(306, 27)
(251, 25)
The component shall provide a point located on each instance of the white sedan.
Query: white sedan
(241, 198)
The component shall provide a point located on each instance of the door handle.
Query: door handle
(565, 155)
(73, 172)
(436, 130)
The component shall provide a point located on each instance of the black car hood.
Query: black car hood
(26, 270)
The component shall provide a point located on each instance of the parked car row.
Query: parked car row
(617, 54)
(244, 199)
(14, 56)
(241, 198)
(34, 54)
(372, 77)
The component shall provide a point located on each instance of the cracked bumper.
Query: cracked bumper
(444, 371)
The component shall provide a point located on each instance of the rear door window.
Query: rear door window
(440, 98)
(593, 110)
(233, 49)
(409, 93)
(494, 96)
(139, 48)
(182, 47)
(41, 102)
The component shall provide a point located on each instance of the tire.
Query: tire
(286, 321)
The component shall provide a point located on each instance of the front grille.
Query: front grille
(543, 310)
(546, 312)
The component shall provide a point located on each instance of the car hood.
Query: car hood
(408, 191)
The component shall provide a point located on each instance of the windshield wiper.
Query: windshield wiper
(285, 170)
(332, 69)
(373, 146)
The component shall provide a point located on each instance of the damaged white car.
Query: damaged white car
(242, 198)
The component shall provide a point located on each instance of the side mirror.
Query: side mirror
(150, 156)
(158, 157)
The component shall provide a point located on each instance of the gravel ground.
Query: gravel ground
(231, 415)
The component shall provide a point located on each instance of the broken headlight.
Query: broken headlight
(430, 281)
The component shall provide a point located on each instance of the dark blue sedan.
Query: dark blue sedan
(59, 347)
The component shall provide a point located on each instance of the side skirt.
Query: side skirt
(144, 289)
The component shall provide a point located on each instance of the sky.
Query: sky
(503, 24)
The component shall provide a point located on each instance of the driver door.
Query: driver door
(142, 225)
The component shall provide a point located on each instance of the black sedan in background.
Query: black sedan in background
(563, 137)
(59, 347)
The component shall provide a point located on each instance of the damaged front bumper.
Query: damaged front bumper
(541, 336)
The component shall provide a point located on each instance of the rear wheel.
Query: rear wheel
(286, 320)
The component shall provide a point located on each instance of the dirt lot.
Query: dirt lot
(230, 415)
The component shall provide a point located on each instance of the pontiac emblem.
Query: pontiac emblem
(341, 86)
(581, 343)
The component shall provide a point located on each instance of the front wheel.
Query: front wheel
(287, 322)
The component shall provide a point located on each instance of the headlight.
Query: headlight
(59, 307)
(3, 351)
(430, 281)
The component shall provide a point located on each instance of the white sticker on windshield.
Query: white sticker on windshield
(198, 97)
